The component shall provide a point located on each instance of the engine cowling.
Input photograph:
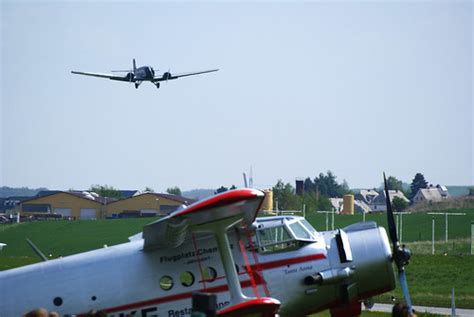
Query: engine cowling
(166, 76)
(129, 76)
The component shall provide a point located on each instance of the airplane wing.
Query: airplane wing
(170, 76)
(170, 231)
(108, 76)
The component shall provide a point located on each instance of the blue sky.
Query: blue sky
(352, 87)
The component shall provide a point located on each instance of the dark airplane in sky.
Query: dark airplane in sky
(141, 74)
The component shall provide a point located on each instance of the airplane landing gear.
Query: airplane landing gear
(136, 85)
(157, 85)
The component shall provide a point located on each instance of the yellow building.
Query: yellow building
(85, 205)
(146, 204)
(67, 204)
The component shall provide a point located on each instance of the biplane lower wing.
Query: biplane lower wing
(170, 231)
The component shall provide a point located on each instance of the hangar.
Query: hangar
(89, 205)
(75, 205)
(146, 204)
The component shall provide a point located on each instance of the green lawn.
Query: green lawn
(416, 227)
(373, 314)
(61, 238)
(430, 277)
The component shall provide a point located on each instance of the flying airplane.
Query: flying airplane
(257, 266)
(141, 74)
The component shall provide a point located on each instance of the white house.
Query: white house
(367, 195)
(336, 204)
(361, 207)
(432, 194)
(379, 203)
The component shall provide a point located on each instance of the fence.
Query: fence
(418, 230)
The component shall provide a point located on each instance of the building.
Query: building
(336, 204)
(146, 204)
(74, 205)
(361, 207)
(379, 203)
(431, 194)
(128, 193)
(366, 195)
(8, 205)
(89, 205)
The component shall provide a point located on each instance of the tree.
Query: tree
(148, 190)
(106, 191)
(345, 188)
(287, 199)
(174, 191)
(327, 185)
(394, 184)
(309, 185)
(314, 202)
(417, 183)
(224, 189)
(286, 196)
(399, 205)
(221, 190)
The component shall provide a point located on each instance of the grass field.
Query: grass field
(416, 227)
(373, 314)
(430, 277)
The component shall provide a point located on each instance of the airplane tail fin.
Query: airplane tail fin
(134, 66)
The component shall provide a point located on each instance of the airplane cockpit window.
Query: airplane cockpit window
(272, 235)
(308, 227)
(283, 233)
(300, 232)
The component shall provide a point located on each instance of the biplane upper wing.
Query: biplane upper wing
(170, 231)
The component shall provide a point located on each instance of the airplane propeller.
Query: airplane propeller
(401, 254)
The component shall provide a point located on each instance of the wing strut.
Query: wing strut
(215, 215)
(219, 228)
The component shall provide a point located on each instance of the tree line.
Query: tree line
(315, 192)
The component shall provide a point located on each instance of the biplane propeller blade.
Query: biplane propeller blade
(401, 254)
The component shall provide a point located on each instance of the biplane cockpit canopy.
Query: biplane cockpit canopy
(283, 233)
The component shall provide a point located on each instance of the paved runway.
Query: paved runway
(433, 310)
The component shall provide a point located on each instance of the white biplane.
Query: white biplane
(258, 266)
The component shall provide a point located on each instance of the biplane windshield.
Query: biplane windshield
(283, 233)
